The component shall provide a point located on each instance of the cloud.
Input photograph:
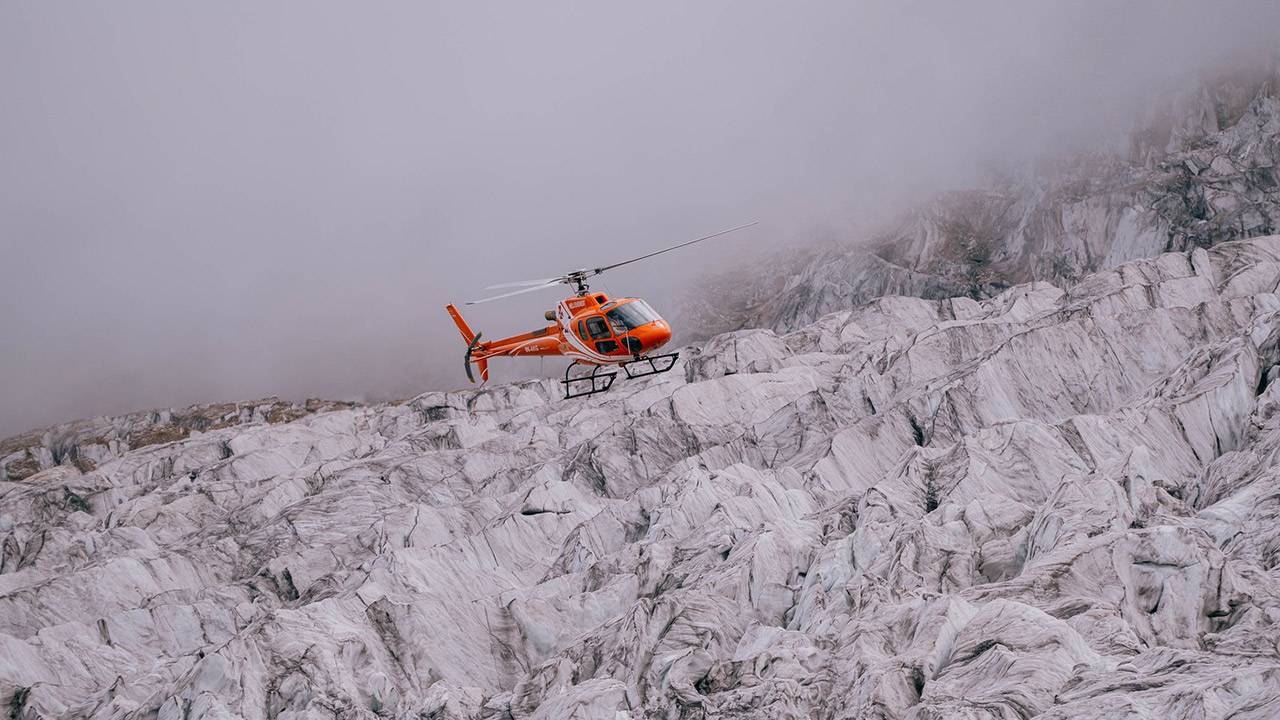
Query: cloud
(223, 201)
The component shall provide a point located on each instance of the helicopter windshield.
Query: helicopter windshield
(631, 315)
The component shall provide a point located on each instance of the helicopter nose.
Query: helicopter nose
(656, 334)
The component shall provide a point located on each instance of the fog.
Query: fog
(218, 201)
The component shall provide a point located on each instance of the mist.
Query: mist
(221, 201)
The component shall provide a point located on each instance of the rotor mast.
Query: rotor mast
(578, 279)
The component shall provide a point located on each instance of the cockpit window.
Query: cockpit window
(597, 328)
(631, 315)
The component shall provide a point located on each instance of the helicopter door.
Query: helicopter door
(599, 331)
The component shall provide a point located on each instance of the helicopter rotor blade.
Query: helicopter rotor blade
(577, 277)
(522, 283)
(522, 291)
(599, 270)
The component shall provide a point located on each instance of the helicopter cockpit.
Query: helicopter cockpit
(631, 315)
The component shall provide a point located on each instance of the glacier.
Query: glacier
(1054, 502)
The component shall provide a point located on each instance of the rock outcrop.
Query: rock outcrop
(1049, 503)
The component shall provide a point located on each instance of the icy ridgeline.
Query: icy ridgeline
(1042, 505)
(1203, 170)
(85, 444)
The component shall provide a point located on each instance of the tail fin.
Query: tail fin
(463, 327)
(473, 340)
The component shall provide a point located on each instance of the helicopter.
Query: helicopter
(591, 328)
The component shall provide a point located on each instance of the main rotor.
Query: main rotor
(577, 279)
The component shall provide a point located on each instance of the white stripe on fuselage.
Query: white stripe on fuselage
(566, 319)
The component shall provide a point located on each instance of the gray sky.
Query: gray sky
(219, 201)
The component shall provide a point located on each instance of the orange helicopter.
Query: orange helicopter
(593, 329)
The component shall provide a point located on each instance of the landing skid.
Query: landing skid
(599, 382)
(586, 385)
(658, 364)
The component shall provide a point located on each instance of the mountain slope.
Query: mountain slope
(1045, 504)
(1203, 170)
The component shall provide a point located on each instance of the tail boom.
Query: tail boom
(545, 341)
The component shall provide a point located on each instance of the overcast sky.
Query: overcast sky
(206, 201)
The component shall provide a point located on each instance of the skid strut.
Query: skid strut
(595, 383)
(600, 380)
(657, 364)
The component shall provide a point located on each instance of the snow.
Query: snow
(1050, 503)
